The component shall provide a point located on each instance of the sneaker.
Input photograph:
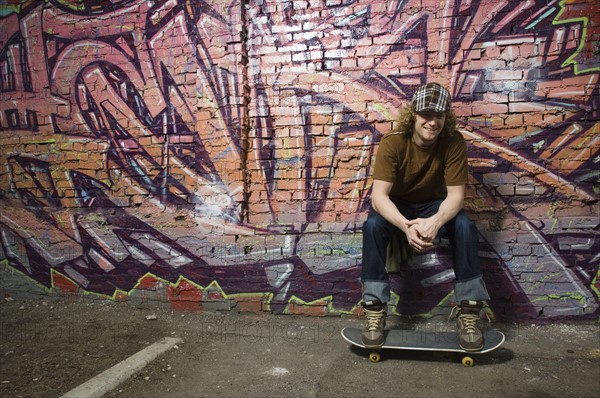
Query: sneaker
(372, 335)
(469, 334)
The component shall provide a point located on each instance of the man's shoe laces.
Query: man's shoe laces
(373, 319)
(469, 322)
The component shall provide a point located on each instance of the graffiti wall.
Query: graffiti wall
(217, 154)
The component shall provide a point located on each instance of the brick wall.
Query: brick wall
(216, 155)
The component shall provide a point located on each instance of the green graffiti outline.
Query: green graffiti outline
(594, 282)
(584, 22)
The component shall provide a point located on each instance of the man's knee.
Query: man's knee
(374, 223)
(462, 222)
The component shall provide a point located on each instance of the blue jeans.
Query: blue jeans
(460, 231)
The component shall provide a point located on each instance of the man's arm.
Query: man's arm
(420, 232)
(382, 204)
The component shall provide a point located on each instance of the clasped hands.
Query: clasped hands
(421, 233)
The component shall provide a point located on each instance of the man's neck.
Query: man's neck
(421, 144)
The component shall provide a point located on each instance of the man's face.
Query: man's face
(428, 126)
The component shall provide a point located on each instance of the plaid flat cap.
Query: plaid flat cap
(431, 97)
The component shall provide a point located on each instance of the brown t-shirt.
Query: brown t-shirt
(421, 174)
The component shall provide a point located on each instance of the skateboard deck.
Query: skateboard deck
(424, 341)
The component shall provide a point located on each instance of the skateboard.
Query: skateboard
(424, 341)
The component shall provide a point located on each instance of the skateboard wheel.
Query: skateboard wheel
(374, 357)
(468, 362)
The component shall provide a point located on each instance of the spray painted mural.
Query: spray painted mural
(202, 152)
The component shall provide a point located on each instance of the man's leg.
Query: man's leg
(377, 232)
(469, 288)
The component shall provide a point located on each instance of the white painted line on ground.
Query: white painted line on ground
(111, 378)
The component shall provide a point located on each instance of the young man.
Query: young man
(418, 189)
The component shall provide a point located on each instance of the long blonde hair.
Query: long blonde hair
(407, 118)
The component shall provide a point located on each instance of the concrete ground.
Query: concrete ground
(48, 349)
